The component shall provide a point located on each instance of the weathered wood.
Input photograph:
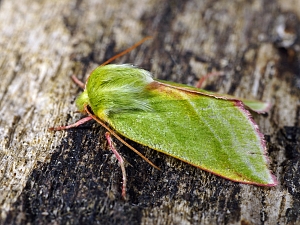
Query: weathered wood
(70, 177)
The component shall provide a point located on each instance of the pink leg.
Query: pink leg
(77, 81)
(79, 122)
(121, 162)
(200, 82)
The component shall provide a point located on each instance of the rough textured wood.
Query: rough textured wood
(70, 177)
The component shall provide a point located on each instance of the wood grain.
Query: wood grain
(71, 177)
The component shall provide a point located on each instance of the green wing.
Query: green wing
(254, 105)
(212, 133)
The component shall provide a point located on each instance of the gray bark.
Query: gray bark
(71, 177)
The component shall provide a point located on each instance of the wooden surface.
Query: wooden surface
(71, 177)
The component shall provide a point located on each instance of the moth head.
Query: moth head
(82, 100)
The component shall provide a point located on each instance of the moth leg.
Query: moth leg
(121, 162)
(202, 79)
(77, 81)
(79, 122)
(118, 137)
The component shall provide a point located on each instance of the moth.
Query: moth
(207, 130)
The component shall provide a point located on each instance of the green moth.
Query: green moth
(211, 131)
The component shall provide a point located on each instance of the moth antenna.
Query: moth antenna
(118, 137)
(122, 53)
(126, 51)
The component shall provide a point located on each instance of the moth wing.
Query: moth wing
(214, 134)
(253, 105)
